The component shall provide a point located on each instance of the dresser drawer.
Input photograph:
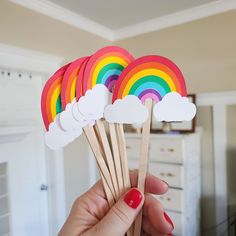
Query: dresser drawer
(173, 200)
(184, 224)
(172, 174)
(167, 150)
(133, 147)
(133, 164)
(178, 221)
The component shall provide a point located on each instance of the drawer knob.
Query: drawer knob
(171, 149)
(128, 147)
(168, 199)
(170, 175)
(168, 149)
(166, 174)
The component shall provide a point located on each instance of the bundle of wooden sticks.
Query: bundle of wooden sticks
(110, 152)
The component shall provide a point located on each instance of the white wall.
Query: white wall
(76, 165)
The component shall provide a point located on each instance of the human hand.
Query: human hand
(90, 214)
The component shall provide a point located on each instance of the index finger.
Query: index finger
(153, 184)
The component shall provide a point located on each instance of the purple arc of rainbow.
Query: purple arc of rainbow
(150, 93)
(111, 81)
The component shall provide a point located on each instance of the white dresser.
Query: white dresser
(175, 159)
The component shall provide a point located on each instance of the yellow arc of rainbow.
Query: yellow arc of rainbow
(104, 62)
(55, 96)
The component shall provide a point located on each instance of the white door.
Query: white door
(24, 198)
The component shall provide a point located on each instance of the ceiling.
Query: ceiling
(120, 19)
(118, 14)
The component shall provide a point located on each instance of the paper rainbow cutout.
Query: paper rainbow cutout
(150, 77)
(51, 97)
(80, 80)
(105, 66)
(70, 80)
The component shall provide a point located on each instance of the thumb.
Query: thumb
(121, 216)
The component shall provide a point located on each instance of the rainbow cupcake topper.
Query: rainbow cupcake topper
(150, 77)
(105, 66)
(70, 80)
(51, 97)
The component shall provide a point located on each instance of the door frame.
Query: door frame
(42, 64)
(219, 102)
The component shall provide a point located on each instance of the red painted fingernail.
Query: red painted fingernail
(168, 220)
(133, 198)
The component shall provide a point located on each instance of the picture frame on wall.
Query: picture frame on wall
(182, 127)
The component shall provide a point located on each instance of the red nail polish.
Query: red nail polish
(168, 220)
(133, 198)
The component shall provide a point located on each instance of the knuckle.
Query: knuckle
(77, 205)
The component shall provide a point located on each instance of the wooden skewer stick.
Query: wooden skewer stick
(123, 156)
(92, 139)
(143, 161)
(116, 156)
(124, 164)
(110, 198)
(100, 142)
(108, 154)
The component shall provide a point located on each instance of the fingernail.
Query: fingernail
(169, 220)
(165, 182)
(133, 198)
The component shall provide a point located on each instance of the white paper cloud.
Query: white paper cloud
(128, 110)
(93, 103)
(174, 107)
(79, 117)
(56, 137)
(67, 119)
